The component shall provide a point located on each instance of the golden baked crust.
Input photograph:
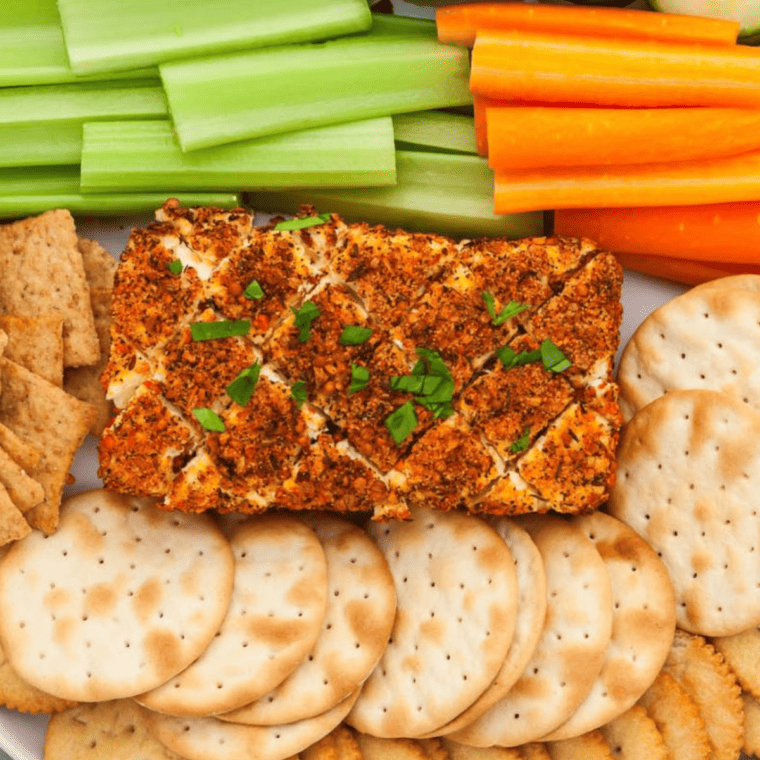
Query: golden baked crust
(506, 439)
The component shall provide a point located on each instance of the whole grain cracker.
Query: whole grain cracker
(740, 652)
(643, 623)
(53, 422)
(25, 492)
(751, 744)
(113, 730)
(634, 736)
(531, 613)
(456, 591)
(459, 751)
(84, 382)
(99, 265)
(213, 739)
(361, 605)
(573, 643)
(13, 525)
(706, 678)
(43, 272)
(689, 483)
(36, 343)
(677, 717)
(701, 339)
(339, 744)
(120, 599)
(19, 450)
(588, 746)
(275, 614)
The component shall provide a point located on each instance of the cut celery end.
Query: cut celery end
(436, 192)
(32, 50)
(144, 155)
(440, 131)
(37, 189)
(244, 95)
(43, 125)
(111, 35)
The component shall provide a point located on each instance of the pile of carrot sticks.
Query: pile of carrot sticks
(641, 130)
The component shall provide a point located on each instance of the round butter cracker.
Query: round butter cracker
(120, 599)
(275, 615)
(689, 483)
(456, 591)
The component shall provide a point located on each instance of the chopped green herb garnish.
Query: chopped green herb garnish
(304, 317)
(401, 422)
(359, 378)
(298, 392)
(209, 420)
(175, 266)
(242, 387)
(554, 360)
(509, 311)
(431, 383)
(510, 359)
(354, 335)
(224, 329)
(299, 224)
(254, 291)
(521, 443)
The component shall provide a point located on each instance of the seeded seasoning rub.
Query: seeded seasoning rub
(317, 364)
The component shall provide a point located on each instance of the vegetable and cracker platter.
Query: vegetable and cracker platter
(378, 387)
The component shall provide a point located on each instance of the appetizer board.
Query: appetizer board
(22, 736)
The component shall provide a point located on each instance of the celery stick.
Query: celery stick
(443, 132)
(144, 155)
(254, 93)
(110, 35)
(33, 190)
(436, 192)
(32, 50)
(43, 125)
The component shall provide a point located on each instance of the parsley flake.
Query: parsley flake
(522, 443)
(510, 310)
(298, 392)
(223, 329)
(304, 317)
(301, 223)
(359, 378)
(254, 291)
(401, 422)
(175, 266)
(354, 335)
(209, 420)
(242, 387)
(553, 359)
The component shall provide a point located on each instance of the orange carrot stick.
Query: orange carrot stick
(685, 183)
(479, 105)
(550, 68)
(686, 271)
(457, 24)
(521, 137)
(726, 232)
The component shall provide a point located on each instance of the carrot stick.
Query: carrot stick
(685, 183)
(726, 232)
(479, 105)
(457, 24)
(521, 137)
(550, 68)
(686, 271)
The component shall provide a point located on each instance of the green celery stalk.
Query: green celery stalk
(32, 50)
(144, 155)
(436, 130)
(32, 190)
(447, 193)
(112, 35)
(254, 93)
(43, 124)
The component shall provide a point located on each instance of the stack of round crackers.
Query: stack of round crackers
(256, 638)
